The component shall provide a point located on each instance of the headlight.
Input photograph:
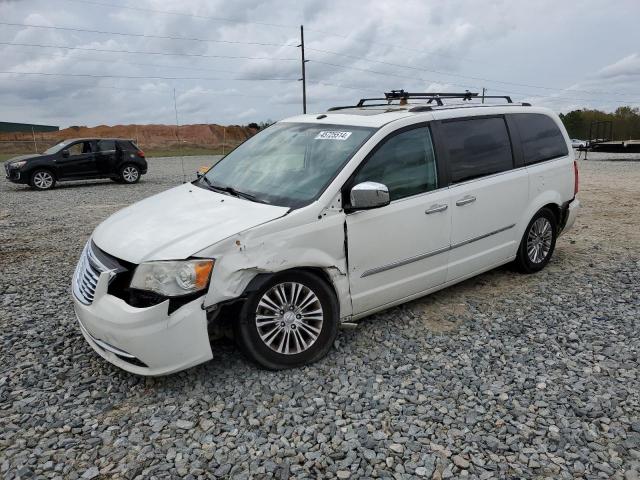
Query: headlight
(173, 279)
(18, 164)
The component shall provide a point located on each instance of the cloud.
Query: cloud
(585, 57)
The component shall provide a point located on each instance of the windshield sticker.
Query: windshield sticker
(332, 135)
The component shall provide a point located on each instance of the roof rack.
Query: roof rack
(431, 97)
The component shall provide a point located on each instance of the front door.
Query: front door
(401, 249)
(80, 163)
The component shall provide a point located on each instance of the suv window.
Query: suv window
(405, 163)
(80, 148)
(106, 145)
(540, 136)
(476, 147)
(125, 145)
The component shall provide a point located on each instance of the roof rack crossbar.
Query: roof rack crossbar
(431, 97)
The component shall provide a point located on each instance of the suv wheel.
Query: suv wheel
(538, 242)
(42, 180)
(130, 174)
(292, 320)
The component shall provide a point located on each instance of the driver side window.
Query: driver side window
(79, 148)
(405, 163)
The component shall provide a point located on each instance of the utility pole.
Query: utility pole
(35, 145)
(304, 76)
(224, 139)
(483, 90)
(175, 107)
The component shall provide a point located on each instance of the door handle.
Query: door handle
(466, 200)
(436, 208)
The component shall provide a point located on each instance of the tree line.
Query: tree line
(625, 122)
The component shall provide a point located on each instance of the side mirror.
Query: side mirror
(199, 174)
(65, 153)
(368, 195)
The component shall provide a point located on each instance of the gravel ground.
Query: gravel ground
(502, 376)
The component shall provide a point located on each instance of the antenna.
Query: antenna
(175, 107)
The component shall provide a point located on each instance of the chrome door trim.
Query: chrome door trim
(417, 258)
(401, 263)
(475, 239)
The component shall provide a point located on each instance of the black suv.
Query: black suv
(79, 159)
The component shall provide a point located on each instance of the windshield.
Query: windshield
(56, 148)
(287, 164)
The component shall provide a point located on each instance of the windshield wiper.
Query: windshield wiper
(232, 191)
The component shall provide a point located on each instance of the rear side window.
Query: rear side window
(125, 145)
(476, 147)
(106, 145)
(405, 163)
(540, 136)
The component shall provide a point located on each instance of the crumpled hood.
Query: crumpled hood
(178, 223)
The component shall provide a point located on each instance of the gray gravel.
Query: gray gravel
(502, 376)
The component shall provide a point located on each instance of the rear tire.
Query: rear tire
(42, 180)
(290, 321)
(129, 174)
(538, 242)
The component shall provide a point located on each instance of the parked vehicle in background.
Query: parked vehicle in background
(79, 159)
(576, 143)
(323, 219)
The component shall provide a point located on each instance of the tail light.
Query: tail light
(141, 154)
(576, 177)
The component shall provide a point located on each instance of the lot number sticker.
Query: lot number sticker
(332, 135)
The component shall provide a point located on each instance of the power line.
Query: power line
(367, 59)
(144, 35)
(346, 67)
(139, 89)
(142, 64)
(275, 25)
(192, 15)
(147, 77)
(145, 52)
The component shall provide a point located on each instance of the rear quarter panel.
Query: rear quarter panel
(551, 181)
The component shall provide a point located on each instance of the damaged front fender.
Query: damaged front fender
(283, 244)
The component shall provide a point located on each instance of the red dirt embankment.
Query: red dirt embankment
(152, 137)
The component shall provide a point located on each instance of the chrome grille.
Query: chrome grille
(85, 279)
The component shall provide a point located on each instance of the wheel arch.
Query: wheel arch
(48, 168)
(261, 278)
(549, 199)
(337, 282)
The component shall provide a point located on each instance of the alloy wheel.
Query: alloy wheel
(43, 180)
(289, 318)
(130, 174)
(539, 240)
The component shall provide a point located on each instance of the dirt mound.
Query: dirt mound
(154, 137)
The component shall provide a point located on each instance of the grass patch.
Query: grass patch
(185, 152)
(7, 156)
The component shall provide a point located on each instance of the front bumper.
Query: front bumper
(572, 213)
(144, 341)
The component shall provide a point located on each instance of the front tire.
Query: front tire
(538, 242)
(42, 180)
(290, 321)
(130, 174)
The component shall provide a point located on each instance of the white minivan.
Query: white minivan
(322, 219)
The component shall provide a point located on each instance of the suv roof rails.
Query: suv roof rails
(430, 97)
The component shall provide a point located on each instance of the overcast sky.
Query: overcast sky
(564, 55)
